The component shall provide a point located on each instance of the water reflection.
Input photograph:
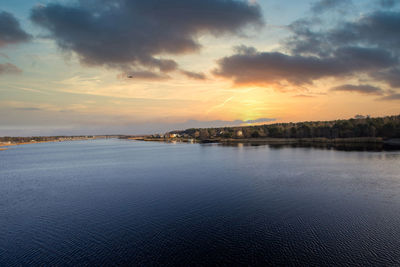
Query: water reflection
(119, 202)
(323, 146)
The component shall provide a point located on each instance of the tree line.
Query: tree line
(385, 127)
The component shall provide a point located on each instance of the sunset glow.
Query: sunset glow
(249, 68)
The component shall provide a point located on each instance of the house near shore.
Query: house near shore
(239, 133)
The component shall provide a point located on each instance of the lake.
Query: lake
(118, 202)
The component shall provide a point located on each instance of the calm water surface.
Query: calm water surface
(115, 202)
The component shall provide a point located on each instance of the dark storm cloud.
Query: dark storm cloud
(324, 5)
(10, 30)
(8, 68)
(129, 34)
(367, 46)
(376, 29)
(304, 40)
(388, 3)
(390, 76)
(362, 89)
(194, 75)
(248, 66)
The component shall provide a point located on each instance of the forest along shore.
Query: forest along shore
(358, 130)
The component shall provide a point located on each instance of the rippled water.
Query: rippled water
(114, 202)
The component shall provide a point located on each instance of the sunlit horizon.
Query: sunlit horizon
(253, 61)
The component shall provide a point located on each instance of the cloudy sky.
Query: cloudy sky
(136, 67)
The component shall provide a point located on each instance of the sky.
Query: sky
(140, 67)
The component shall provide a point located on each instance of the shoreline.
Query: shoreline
(25, 143)
(393, 143)
(281, 141)
(5, 146)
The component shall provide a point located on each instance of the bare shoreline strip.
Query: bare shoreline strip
(5, 146)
